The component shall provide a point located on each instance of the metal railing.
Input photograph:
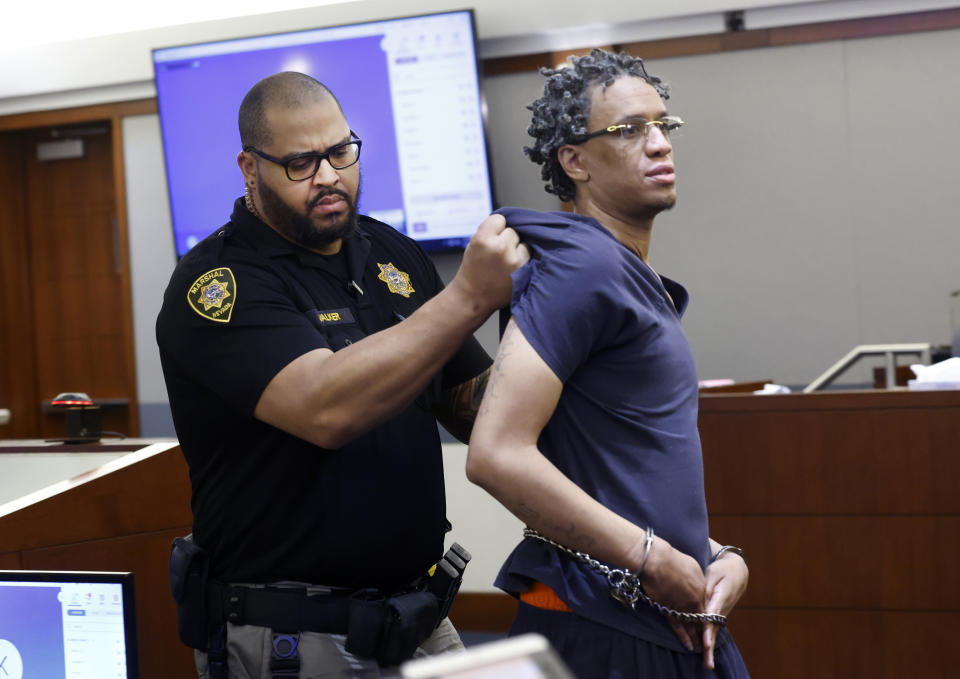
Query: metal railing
(889, 351)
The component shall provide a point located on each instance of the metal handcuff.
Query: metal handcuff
(625, 585)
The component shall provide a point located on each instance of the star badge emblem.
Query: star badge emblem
(397, 281)
(213, 294)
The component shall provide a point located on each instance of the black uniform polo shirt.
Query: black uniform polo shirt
(267, 505)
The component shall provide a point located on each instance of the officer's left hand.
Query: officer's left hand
(726, 581)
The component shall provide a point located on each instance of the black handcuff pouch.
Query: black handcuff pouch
(390, 629)
(189, 568)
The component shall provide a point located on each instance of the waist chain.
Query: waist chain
(625, 585)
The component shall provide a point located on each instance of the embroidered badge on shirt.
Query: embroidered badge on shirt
(210, 295)
(396, 280)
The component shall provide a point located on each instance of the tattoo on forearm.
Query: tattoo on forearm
(565, 534)
(469, 395)
(526, 512)
(458, 406)
(507, 345)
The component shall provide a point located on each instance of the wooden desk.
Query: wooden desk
(847, 506)
(120, 516)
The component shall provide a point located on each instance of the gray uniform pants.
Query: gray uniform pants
(322, 656)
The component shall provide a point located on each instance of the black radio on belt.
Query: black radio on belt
(390, 629)
(446, 579)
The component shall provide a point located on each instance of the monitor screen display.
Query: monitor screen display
(409, 89)
(67, 625)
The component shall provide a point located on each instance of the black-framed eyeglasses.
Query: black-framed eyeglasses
(637, 131)
(303, 166)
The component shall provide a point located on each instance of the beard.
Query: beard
(300, 227)
(659, 204)
(666, 204)
(651, 209)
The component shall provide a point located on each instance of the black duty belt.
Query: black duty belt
(386, 627)
(288, 610)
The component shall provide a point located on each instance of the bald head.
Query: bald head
(282, 91)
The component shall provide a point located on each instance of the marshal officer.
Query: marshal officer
(308, 352)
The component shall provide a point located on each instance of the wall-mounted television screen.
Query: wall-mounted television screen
(409, 88)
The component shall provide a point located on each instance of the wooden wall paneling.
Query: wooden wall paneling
(17, 379)
(866, 27)
(10, 561)
(831, 400)
(837, 644)
(846, 504)
(794, 35)
(697, 44)
(849, 458)
(80, 114)
(942, 468)
(80, 310)
(149, 496)
(483, 611)
(534, 62)
(561, 58)
(881, 562)
(736, 388)
(522, 63)
(750, 39)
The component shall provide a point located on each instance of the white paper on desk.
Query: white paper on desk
(942, 375)
(771, 388)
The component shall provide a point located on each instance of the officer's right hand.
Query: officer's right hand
(676, 580)
(494, 252)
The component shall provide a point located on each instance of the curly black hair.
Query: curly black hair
(560, 116)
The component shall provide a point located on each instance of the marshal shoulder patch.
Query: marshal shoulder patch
(396, 280)
(214, 294)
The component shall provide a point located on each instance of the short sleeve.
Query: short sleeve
(562, 308)
(469, 361)
(237, 356)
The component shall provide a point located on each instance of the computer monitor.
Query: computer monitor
(67, 625)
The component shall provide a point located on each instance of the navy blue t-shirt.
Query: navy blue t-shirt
(625, 427)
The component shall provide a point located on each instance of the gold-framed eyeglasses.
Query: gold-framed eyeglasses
(668, 126)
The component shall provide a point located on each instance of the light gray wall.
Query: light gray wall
(816, 210)
(516, 180)
(152, 258)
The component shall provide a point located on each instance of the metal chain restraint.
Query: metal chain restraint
(625, 585)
